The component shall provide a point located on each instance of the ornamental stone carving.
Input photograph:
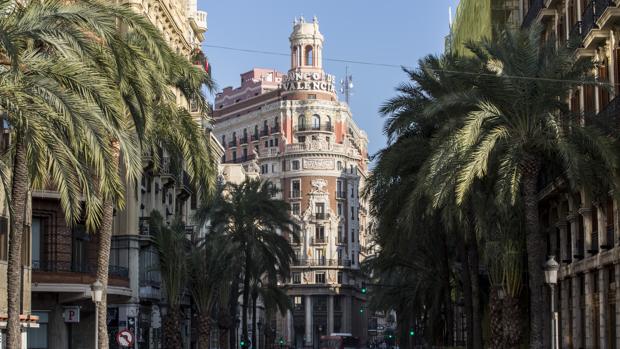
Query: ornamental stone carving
(318, 144)
(319, 184)
(318, 164)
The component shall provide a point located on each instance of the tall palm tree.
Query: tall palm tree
(519, 124)
(211, 262)
(174, 266)
(260, 227)
(138, 60)
(60, 110)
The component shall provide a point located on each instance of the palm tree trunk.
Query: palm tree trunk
(536, 247)
(511, 322)
(495, 314)
(19, 196)
(172, 333)
(233, 307)
(246, 293)
(449, 330)
(254, 299)
(474, 265)
(467, 295)
(204, 331)
(103, 261)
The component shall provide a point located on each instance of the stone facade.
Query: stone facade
(292, 129)
(584, 232)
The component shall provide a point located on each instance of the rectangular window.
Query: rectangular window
(319, 278)
(295, 208)
(37, 240)
(339, 209)
(275, 142)
(352, 213)
(320, 256)
(234, 156)
(4, 233)
(353, 235)
(320, 210)
(341, 236)
(301, 139)
(298, 303)
(297, 278)
(340, 277)
(319, 234)
(266, 144)
(295, 165)
(296, 188)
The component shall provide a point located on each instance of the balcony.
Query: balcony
(295, 194)
(535, 8)
(243, 140)
(321, 215)
(264, 132)
(610, 15)
(318, 240)
(323, 127)
(166, 168)
(244, 158)
(254, 137)
(591, 15)
(609, 115)
(322, 262)
(84, 268)
(232, 144)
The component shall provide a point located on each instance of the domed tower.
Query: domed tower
(306, 45)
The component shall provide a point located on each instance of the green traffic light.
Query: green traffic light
(242, 343)
(364, 290)
(411, 333)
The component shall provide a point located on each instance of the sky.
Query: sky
(397, 32)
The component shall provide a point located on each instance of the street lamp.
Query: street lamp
(551, 279)
(96, 292)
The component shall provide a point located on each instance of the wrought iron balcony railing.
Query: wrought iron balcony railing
(535, 7)
(85, 268)
(594, 10)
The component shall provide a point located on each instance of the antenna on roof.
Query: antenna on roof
(346, 85)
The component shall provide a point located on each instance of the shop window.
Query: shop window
(37, 337)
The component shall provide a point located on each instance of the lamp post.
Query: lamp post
(96, 292)
(551, 279)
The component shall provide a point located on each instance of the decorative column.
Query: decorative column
(578, 338)
(309, 326)
(586, 213)
(602, 307)
(562, 227)
(574, 233)
(601, 218)
(330, 314)
(564, 312)
(590, 278)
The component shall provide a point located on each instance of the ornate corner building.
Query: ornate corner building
(291, 128)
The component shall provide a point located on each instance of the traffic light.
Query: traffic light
(242, 343)
(361, 309)
(364, 289)
(411, 332)
(281, 341)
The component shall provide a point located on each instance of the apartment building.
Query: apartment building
(292, 129)
(583, 231)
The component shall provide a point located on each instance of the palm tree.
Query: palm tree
(60, 110)
(211, 262)
(259, 227)
(145, 68)
(519, 124)
(172, 246)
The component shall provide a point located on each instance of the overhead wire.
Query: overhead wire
(389, 65)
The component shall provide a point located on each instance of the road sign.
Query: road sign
(124, 338)
(71, 314)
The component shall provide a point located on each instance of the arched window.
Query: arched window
(234, 137)
(224, 141)
(255, 132)
(316, 122)
(328, 123)
(301, 122)
(309, 55)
